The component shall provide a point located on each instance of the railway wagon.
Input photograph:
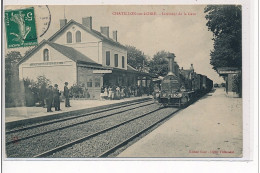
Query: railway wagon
(181, 88)
(203, 82)
(197, 84)
(209, 84)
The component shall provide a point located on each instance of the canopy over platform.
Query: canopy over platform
(224, 71)
(233, 80)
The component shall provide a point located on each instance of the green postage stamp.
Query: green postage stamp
(20, 28)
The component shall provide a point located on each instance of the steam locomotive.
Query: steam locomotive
(180, 87)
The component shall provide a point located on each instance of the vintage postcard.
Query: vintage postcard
(124, 81)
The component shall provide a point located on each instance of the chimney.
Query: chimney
(63, 22)
(171, 57)
(104, 30)
(182, 68)
(87, 22)
(191, 67)
(115, 35)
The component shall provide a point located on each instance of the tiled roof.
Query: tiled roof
(130, 68)
(72, 53)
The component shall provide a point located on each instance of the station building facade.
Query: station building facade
(78, 54)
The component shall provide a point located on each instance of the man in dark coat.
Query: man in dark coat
(66, 95)
(56, 98)
(49, 98)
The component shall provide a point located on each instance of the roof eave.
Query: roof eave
(114, 43)
(76, 23)
(32, 51)
(88, 63)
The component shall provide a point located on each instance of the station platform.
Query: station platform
(18, 114)
(211, 127)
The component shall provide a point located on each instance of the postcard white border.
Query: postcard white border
(250, 101)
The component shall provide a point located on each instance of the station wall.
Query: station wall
(92, 82)
(59, 69)
(114, 50)
(90, 45)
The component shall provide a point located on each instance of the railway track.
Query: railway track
(30, 142)
(82, 121)
(126, 141)
(50, 152)
(78, 146)
(70, 117)
(56, 138)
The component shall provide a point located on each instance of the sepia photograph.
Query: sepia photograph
(122, 81)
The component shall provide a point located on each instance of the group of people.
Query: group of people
(52, 97)
(118, 92)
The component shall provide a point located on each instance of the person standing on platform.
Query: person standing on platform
(66, 94)
(117, 93)
(49, 98)
(56, 99)
(110, 93)
(105, 92)
(123, 92)
(113, 92)
(42, 94)
(102, 93)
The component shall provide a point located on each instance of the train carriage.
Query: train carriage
(196, 81)
(209, 84)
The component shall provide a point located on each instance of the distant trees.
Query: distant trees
(34, 91)
(20, 92)
(11, 68)
(159, 64)
(136, 58)
(12, 76)
(225, 22)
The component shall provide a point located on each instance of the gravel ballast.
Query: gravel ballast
(65, 123)
(29, 148)
(97, 145)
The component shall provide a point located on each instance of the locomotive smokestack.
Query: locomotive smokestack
(191, 67)
(171, 57)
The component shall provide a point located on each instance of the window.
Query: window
(89, 83)
(97, 82)
(148, 82)
(69, 37)
(107, 58)
(45, 55)
(144, 83)
(123, 62)
(78, 36)
(116, 60)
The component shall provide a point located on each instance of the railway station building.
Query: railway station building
(233, 78)
(80, 55)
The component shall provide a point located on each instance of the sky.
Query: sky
(185, 35)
